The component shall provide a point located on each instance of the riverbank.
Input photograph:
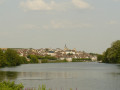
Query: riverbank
(7, 85)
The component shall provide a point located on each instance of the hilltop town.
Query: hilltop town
(60, 54)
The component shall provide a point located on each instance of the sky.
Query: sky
(87, 25)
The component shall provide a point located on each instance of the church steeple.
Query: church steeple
(65, 48)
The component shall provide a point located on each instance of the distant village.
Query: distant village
(65, 54)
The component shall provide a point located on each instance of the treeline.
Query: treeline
(11, 58)
(33, 59)
(80, 59)
(43, 59)
(112, 54)
(47, 57)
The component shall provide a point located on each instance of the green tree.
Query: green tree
(12, 57)
(33, 59)
(112, 54)
(3, 61)
(50, 57)
(99, 57)
(24, 60)
(44, 61)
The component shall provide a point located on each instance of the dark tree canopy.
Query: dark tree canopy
(11, 58)
(33, 59)
(3, 61)
(112, 54)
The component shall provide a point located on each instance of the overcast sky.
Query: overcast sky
(87, 25)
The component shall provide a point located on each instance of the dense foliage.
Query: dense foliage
(80, 59)
(112, 54)
(100, 57)
(24, 60)
(3, 61)
(7, 85)
(47, 57)
(43, 59)
(53, 61)
(11, 58)
(58, 61)
(33, 59)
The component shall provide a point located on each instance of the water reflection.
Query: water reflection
(84, 76)
(44, 75)
(114, 74)
(8, 75)
(2, 76)
(118, 66)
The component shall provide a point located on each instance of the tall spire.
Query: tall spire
(65, 48)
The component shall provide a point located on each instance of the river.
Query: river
(62, 76)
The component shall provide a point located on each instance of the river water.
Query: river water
(63, 76)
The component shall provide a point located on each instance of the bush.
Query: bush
(47, 57)
(44, 61)
(7, 85)
(80, 59)
(33, 59)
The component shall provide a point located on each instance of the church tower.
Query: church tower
(65, 48)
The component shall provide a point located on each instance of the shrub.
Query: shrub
(7, 85)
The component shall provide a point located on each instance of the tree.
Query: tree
(24, 60)
(99, 57)
(33, 59)
(12, 57)
(112, 54)
(3, 61)
(44, 61)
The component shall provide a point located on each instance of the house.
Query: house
(51, 53)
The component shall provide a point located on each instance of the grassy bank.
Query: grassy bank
(7, 85)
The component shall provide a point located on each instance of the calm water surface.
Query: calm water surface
(83, 76)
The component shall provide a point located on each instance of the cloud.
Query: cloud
(82, 4)
(112, 22)
(37, 5)
(52, 5)
(4, 33)
(66, 25)
(31, 27)
(2, 1)
(116, 0)
(54, 25)
(44, 6)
